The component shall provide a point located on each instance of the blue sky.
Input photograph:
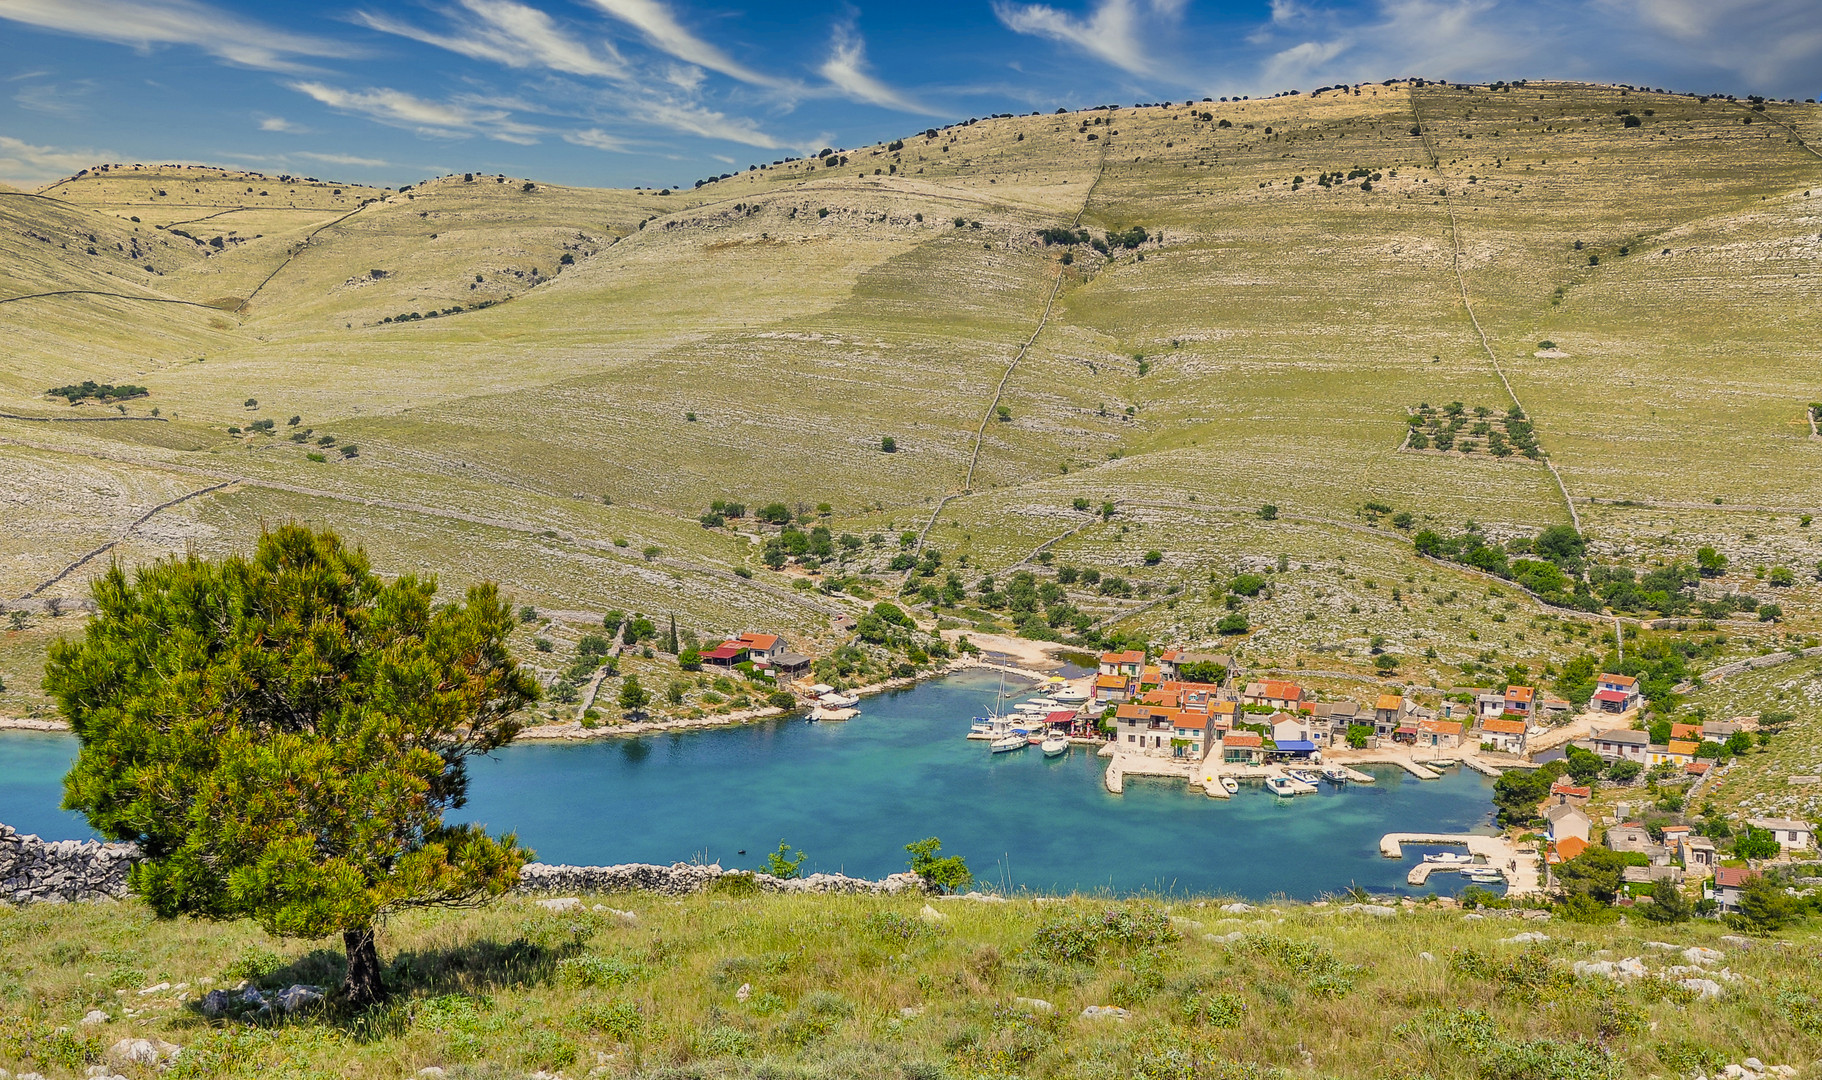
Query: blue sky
(662, 92)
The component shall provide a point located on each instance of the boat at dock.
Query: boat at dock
(1069, 696)
(819, 713)
(1335, 774)
(834, 700)
(1484, 874)
(1230, 785)
(1009, 742)
(1282, 785)
(1303, 776)
(1054, 745)
(1449, 858)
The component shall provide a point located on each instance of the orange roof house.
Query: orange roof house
(1242, 738)
(759, 642)
(1502, 726)
(1569, 847)
(1389, 702)
(1110, 682)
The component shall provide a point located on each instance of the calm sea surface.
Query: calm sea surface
(852, 795)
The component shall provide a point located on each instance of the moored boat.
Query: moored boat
(1449, 858)
(1069, 696)
(1054, 745)
(1009, 742)
(1281, 785)
(1303, 776)
(1335, 774)
(1230, 785)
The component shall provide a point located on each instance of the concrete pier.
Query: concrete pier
(1518, 865)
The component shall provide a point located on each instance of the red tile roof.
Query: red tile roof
(1560, 788)
(762, 642)
(1389, 702)
(1110, 682)
(1570, 846)
(1242, 738)
(1131, 656)
(1696, 768)
(1190, 721)
(725, 651)
(1618, 680)
(1734, 876)
(1504, 727)
(1520, 693)
(1611, 695)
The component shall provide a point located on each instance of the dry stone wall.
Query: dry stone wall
(66, 871)
(61, 871)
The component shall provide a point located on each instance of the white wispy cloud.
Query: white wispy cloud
(279, 123)
(1111, 32)
(596, 139)
(24, 165)
(1762, 41)
(69, 101)
(342, 159)
(509, 33)
(664, 31)
(846, 70)
(447, 119)
(693, 119)
(146, 23)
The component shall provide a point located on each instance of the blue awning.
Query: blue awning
(1296, 746)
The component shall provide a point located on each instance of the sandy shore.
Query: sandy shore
(20, 723)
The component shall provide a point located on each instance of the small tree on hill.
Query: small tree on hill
(946, 873)
(281, 736)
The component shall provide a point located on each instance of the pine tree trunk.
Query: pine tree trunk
(363, 986)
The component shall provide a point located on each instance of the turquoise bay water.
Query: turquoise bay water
(852, 795)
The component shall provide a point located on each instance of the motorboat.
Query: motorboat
(1282, 785)
(819, 713)
(1303, 776)
(1054, 745)
(981, 726)
(1335, 774)
(1484, 874)
(1031, 708)
(1069, 696)
(1047, 704)
(1449, 858)
(834, 700)
(1008, 742)
(1230, 785)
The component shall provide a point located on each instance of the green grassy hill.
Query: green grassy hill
(721, 985)
(756, 338)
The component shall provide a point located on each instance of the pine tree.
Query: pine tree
(670, 642)
(282, 735)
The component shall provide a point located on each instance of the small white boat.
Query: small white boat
(1484, 874)
(1055, 745)
(1069, 696)
(1281, 785)
(1030, 709)
(1008, 742)
(1335, 774)
(1230, 785)
(1046, 703)
(817, 712)
(981, 727)
(1449, 858)
(1303, 776)
(838, 701)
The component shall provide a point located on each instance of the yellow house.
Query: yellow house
(1675, 752)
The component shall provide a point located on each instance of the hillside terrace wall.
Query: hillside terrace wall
(33, 870)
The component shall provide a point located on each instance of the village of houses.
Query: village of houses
(1274, 731)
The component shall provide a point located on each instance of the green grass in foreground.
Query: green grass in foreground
(860, 986)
